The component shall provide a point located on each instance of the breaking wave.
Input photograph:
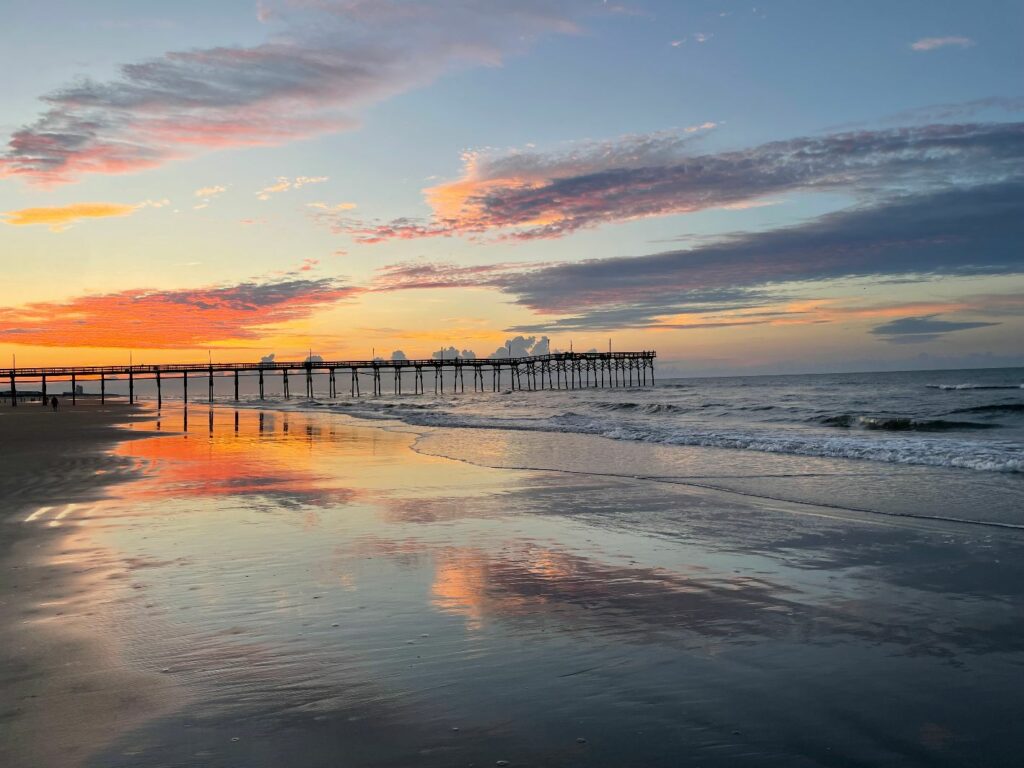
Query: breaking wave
(900, 424)
(975, 386)
(990, 456)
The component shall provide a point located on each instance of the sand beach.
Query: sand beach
(260, 587)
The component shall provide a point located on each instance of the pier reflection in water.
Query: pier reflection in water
(319, 590)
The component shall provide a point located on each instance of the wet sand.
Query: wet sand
(300, 589)
(64, 688)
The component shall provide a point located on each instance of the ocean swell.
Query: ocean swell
(900, 424)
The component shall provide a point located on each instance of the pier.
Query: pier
(564, 370)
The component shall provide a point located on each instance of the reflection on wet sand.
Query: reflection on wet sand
(218, 463)
(318, 592)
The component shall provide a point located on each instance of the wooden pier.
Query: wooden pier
(565, 370)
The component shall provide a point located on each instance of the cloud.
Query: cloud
(268, 358)
(406, 276)
(958, 109)
(398, 355)
(526, 194)
(336, 207)
(954, 232)
(523, 346)
(973, 231)
(58, 218)
(284, 184)
(171, 319)
(321, 63)
(210, 192)
(445, 354)
(931, 43)
(917, 330)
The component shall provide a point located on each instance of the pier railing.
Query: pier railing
(562, 370)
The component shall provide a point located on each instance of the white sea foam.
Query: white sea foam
(987, 456)
(975, 386)
(893, 418)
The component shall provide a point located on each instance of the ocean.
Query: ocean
(942, 444)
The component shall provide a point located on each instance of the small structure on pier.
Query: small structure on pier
(565, 370)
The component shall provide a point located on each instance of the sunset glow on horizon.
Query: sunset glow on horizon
(778, 189)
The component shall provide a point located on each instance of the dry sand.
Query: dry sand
(63, 688)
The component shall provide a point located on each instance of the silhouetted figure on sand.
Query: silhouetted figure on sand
(53, 403)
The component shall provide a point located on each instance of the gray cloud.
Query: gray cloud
(949, 231)
(975, 231)
(529, 194)
(916, 330)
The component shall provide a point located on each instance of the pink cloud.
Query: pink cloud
(323, 62)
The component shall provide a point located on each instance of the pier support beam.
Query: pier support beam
(261, 383)
(184, 387)
(159, 391)
(14, 391)
(44, 391)
(209, 389)
(236, 390)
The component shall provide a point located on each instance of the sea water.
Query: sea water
(943, 444)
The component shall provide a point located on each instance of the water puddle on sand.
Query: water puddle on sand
(318, 593)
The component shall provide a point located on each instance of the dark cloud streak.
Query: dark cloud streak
(917, 330)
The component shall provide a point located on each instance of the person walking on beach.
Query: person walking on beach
(53, 403)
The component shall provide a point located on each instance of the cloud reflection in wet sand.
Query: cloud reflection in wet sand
(208, 462)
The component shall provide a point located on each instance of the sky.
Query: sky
(786, 187)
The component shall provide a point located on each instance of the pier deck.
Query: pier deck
(565, 370)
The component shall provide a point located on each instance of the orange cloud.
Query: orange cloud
(176, 319)
(60, 217)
